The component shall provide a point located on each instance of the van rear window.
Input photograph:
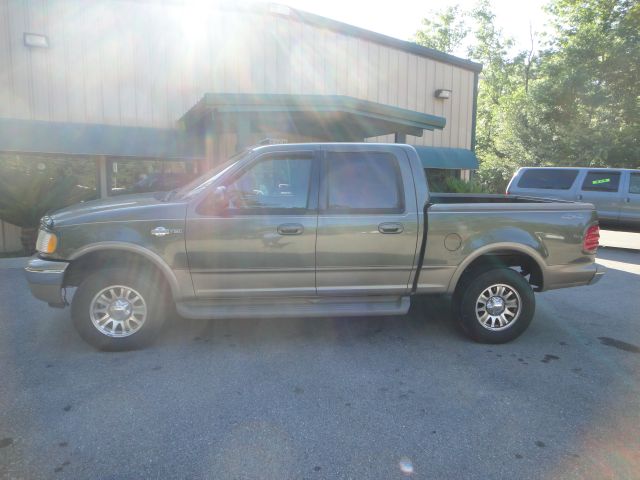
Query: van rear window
(548, 179)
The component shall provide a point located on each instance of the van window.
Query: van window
(634, 183)
(601, 181)
(548, 179)
(363, 182)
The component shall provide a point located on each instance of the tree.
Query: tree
(587, 99)
(577, 102)
(446, 32)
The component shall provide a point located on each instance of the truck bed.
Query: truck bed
(439, 198)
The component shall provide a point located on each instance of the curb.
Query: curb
(16, 262)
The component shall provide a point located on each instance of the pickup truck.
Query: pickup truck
(309, 230)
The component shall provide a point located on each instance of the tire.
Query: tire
(119, 308)
(494, 306)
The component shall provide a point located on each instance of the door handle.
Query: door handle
(290, 229)
(390, 228)
(580, 197)
(628, 200)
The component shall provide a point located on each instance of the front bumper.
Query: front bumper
(45, 279)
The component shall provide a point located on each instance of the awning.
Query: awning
(327, 117)
(453, 158)
(92, 139)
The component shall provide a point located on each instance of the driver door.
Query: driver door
(262, 244)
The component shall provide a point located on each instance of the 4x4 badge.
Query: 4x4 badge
(163, 231)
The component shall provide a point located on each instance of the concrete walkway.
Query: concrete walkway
(628, 240)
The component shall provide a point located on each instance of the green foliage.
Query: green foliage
(577, 102)
(25, 196)
(445, 33)
(456, 185)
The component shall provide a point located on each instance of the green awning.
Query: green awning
(329, 117)
(453, 158)
(93, 139)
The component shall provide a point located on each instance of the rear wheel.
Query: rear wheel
(119, 309)
(495, 306)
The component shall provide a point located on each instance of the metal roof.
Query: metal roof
(335, 117)
(90, 139)
(442, 157)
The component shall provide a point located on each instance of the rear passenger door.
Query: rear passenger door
(602, 188)
(367, 224)
(630, 209)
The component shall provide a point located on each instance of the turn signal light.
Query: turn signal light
(47, 242)
(591, 240)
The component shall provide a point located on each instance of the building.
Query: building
(120, 89)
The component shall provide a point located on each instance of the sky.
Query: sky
(401, 18)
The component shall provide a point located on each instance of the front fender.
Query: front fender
(177, 289)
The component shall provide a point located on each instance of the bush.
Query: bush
(26, 196)
(456, 185)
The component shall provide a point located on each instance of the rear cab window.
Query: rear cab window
(362, 182)
(601, 181)
(548, 179)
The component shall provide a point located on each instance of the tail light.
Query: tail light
(591, 239)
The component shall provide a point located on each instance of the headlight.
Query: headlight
(47, 242)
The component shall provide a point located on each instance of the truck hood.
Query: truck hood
(145, 206)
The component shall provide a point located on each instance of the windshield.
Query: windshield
(203, 181)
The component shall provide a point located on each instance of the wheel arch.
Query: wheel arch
(501, 255)
(85, 260)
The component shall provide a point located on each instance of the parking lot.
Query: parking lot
(331, 398)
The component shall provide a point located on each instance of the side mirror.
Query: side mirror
(220, 199)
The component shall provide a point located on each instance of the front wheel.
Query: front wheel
(119, 308)
(497, 306)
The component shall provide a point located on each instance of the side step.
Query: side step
(287, 308)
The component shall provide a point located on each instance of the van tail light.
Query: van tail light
(591, 239)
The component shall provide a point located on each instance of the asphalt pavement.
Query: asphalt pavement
(392, 397)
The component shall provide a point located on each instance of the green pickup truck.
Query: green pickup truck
(309, 230)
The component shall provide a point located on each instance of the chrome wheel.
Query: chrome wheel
(498, 307)
(118, 311)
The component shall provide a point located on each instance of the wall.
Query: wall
(9, 238)
(143, 63)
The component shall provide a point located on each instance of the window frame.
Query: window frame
(312, 191)
(598, 190)
(631, 175)
(324, 186)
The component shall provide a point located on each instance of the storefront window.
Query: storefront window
(81, 170)
(135, 175)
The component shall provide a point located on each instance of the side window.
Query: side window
(547, 178)
(274, 183)
(634, 183)
(363, 182)
(597, 181)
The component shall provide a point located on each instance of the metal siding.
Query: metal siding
(132, 63)
(383, 76)
(7, 95)
(20, 68)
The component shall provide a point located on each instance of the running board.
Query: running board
(288, 308)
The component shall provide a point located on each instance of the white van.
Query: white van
(615, 192)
